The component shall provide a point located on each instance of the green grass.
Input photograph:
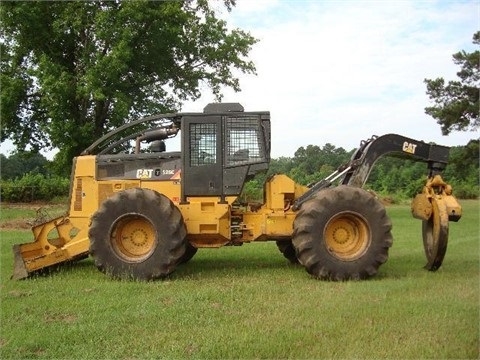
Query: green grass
(247, 302)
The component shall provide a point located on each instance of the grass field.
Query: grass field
(248, 302)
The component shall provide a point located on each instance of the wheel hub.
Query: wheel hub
(139, 237)
(133, 238)
(347, 236)
(341, 235)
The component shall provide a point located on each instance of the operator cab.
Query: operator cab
(222, 148)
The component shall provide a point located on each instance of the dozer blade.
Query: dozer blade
(56, 241)
(19, 268)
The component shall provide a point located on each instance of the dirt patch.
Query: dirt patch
(386, 201)
(19, 293)
(33, 206)
(16, 224)
(64, 318)
(29, 214)
(29, 206)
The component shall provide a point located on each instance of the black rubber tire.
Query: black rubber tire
(165, 232)
(342, 205)
(288, 250)
(190, 252)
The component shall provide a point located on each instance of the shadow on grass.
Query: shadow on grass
(203, 264)
(209, 263)
(411, 265)
(239, 265)
(220, 266)
(69, 268)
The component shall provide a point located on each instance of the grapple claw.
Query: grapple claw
(435, 235)
(435, 206)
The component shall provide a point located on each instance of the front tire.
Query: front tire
(342, 233)
(288, 250)
(137, 234)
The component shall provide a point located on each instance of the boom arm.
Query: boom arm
(357, 170)
(436, 156)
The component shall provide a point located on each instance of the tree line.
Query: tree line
(30, 176)
(391, 177)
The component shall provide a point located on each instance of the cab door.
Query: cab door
(202, 156)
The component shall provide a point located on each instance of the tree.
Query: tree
(71, 71)
(457, 103)
(317, 161)
(22, 162)
(463, 163)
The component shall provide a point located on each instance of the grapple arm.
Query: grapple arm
(357, 170)
(436, 156)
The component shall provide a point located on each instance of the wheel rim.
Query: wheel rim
(133, 238)
(347, 236)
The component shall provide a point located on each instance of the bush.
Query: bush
(34, 187)
(466, 191)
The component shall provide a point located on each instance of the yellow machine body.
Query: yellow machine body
(207, 219)
(140, 212)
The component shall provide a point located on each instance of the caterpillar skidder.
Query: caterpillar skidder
(141, 211)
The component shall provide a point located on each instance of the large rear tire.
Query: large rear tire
(137, 234)
(342, 233)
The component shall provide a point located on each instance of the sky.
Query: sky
(341, 71)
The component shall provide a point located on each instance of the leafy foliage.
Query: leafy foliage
(463, 169)
(456, 104)
(71, 71)
(22, 162)
(32, 187)
(395, 178)
(314, 163)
